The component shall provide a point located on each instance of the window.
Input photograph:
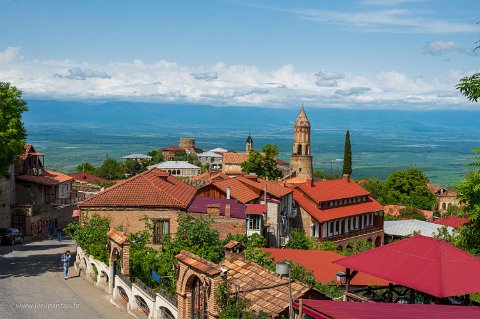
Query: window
(254, 222)
(161, 228)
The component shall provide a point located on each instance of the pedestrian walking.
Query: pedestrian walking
(50, 231)
(59, 232)
(65, 259)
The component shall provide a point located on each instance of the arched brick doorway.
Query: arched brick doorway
(198, 303)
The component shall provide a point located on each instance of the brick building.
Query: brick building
(301, 158)
(154, 194)
(41, 196)
(274, 223)
(338, 211)
(170, 152)
(199, 279)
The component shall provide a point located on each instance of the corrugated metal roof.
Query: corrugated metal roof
(209, 154)
(137, 156)
(407, 227)
(219, 149)
(173, 164)
(200, 205)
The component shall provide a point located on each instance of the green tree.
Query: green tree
(263, 164)
(300, 273)
(470, 85)
(411, 213)
(377, 189)
(347, 155)
(320, 174)
(134, 167)
(91, 235)
(111, 169)
(12, 130)
(469, 194)
(157, 156)
(253, 253)
(86, 168)
(299, 240)
(357, 246)
(409, 188)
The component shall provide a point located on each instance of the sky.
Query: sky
(377, 54)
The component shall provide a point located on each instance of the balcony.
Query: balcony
(353, 233)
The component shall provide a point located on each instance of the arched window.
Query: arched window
(299, 149)
(444, 206)
(178, 172)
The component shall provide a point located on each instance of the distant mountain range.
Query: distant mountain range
(114, 114)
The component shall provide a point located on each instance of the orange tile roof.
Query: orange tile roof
(321, 263)
(394, 210)
(235, 158)
(173, 148)
(200, 264)
(323, 191)
(153, 188)
(327, 214)
(249, 275)
(26, 150)
(210, 176)
(238, 190)
(48, 178)
(274, 188)
(231, 244)
(117, 236)
(86, 177)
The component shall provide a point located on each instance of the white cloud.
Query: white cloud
(222, 84)
(9, 55)
(441, 47)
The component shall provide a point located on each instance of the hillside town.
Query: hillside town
(183, 232)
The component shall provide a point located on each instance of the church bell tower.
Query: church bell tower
(249, 144)
(301, 159)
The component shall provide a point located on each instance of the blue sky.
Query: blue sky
(369, 53)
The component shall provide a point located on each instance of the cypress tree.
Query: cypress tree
(347, 156)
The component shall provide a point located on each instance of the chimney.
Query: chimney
(309, 182)
(227, 211)
(346, 177)
(233, 250)
(213, 209)
(228, 192)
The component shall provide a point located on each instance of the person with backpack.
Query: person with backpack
(65, 259)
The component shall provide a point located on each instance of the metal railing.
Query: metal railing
(353, 233)
(147, 290)
(125, 279)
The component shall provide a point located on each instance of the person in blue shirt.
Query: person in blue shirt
(65, 259)
(59, 232)
(50, 231)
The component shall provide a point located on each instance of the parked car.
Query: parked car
(11, 236)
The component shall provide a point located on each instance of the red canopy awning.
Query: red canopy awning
(428, 265)
(76, 213)
(329, 309)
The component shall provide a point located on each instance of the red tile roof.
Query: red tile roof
(117, 236)
(327, 214)
(198, 263)
(429, 265)
(48, 178)
(394, 210)
(274, 188)
(210, 176)
(329, 309)
(153, 188)
(238, 190)
(324, 191)
(173, 148)
(256, 209)
(86, 177)
(321, 263)
(235, 158)
(452, 221)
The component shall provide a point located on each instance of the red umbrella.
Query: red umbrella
(429, 265)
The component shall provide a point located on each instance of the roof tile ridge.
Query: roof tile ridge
(163, 191)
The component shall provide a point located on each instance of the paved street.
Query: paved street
(32, 285)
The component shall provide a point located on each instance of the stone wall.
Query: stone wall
(302, 164)
(7, 191)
